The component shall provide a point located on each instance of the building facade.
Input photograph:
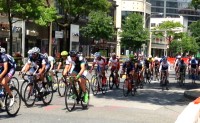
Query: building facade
(126, 7)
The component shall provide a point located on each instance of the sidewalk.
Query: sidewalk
(192, 93)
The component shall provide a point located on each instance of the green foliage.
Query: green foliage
(175, 47)
(36, 10)
(195, 29)
(133, 34)
(195, 4)
(99, 26)
(74, 9)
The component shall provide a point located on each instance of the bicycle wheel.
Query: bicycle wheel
(111, 83)
(94, 85)
(104, 87)
(55, 84)
(48, 93)
(14, 82)
(61, 87)
(85, 105)
(29, 95)
(125, 88)
(70, 98)
(12, 110)
(23, 86)
(133, 90)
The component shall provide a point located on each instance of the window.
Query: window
(172, 4)
(159, 10)
(171, 11)
(153, 24)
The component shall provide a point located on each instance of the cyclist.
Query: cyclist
(7, 70)
(114, 63)
(101, 66)
(156, 65)
(189, 66)
(194, 65)
(151, 60)
(181, 68)
(79, 71)
(139, 69)
(62, 59)
(37, 60)
(178, 60)
(164, 66)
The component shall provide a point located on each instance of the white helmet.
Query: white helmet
(3, 50)
(178, 56)
(30, 51)
(36, 50)
(45, 55)
(150, 56)
(193, 58)
(97, 54)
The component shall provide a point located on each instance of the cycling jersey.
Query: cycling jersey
(11, 64)
(51, 59)
(146, 63)
(100, 62)
(40, 60)
(156, 63)
(128, 66)
(193, 63)
(164, 66)
(177, 62)
(182, 67)
(115, 63)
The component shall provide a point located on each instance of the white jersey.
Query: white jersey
(101, 62)
(114, 62)
(51, 59)
(164, 66)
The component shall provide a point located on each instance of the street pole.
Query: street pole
(50, 39)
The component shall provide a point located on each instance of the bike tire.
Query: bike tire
(30, 93)
(125, 88)
(133, 90)
(111, 83)
(83, 104)
(94, 85)
(23, 86)
(15, 82)
(48, 93)
(61, 87)
(17, 102)
(70, 93)
(55, 84)
(104, 87)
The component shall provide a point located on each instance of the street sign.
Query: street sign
(58, 34)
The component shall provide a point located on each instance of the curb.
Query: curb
(192, 94)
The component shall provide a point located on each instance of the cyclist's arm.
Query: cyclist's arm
(59, 65)
(52, 64)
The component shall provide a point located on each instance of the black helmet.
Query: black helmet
(73, 53)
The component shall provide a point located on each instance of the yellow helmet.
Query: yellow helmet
(64, 53)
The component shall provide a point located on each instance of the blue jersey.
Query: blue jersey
(4, 58)
(40, 60)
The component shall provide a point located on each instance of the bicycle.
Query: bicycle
(147, 75)
(193, 75)
(62, 84)
(74, 94)
(181, 79)
(114, 79)
(156, 73)
(139, 82)
(128, 85)
(97, 84)
(163, 81)
(11, 110)
(54, 80)
(33, 91)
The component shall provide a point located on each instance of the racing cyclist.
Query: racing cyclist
(115, 65)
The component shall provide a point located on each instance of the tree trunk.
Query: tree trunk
(10, 26)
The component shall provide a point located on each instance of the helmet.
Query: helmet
(150, 56)
(36, 50)
(178, 56)
(193, 58)
(97, 54)
(64, 53)
(128, 60)
(72, 53)
(30, 51)
(45, 55)
(3, 50)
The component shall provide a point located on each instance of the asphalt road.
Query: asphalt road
(149, 105)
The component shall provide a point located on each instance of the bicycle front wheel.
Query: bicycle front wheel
(111, 79)
(29, 95)
(13, 109)
(14, 82)
(94, 85)
(48, 93)
(125, 88)
(61, 87)
(70, 98)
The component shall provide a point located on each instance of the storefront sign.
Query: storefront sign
(58, 34)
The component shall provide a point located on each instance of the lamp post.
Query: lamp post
(150, 36)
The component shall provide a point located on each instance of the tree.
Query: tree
(133, 34)
(195, 30)
(196, 4)
(176, 47)
(74, 10)
(99, 26)
(36, 10)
